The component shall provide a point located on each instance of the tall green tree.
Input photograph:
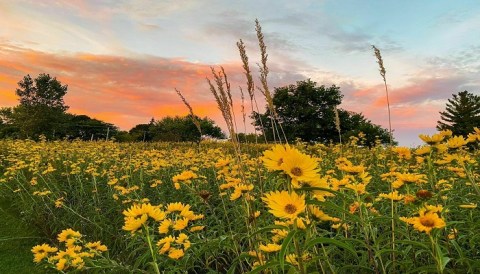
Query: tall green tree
(41, 110)
(307, 111)
(304, 110)
(461, 115)
(43, 91)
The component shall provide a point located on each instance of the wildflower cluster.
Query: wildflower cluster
(75, 255)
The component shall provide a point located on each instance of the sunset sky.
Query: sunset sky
(123, 59)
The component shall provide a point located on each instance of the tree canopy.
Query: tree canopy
(42, 91)
(182, 129)
(307, 111)
(42, 111)
(461, 115)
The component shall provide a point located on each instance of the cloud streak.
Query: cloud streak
(124, 91)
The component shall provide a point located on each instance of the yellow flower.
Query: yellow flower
(175, 253)
(68, 234)
(427, 222)
(97, 246)
(299, 166)
(358, 188)
(184, 176)
(239, 190)
(138, 210)
(273, 159)
(164, 226)
(133, 224)
(292, 258)
(403, 152)
(165, 243)
(180, 224)
(432, 140)
(392, 196)
(270, 247)
(172, 207)
(349, 168)
(285, 205)
(41, 251)
(453, 234)
(181, 238)
(61, 264)
(319, 214)
(423, 150)
(197, 228)
(456, 142)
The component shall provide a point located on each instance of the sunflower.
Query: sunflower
(300, 167)
(432, 140)
(69, 236)
(164, 244)
(164, 226)
(427, 222)
(133, 224)
(139, 210)
(285, 205)
(273, 159)
(456, 142)
(41, 251)
(175, 253)
(172, 207)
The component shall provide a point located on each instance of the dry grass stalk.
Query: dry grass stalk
(250, 84)
(194, 118)
(224, 99)
(382, 73)
(263, 79)
(263, 67)
(337, 124)
(246, 67)
(244, 115)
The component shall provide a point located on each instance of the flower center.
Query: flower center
(290, 209)
(425, 221)
(280, 162)
(296, 171)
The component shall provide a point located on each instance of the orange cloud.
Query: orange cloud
(120, 90)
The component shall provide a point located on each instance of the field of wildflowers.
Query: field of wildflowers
(108, 207)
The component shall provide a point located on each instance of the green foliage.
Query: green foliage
(42, 91)
(85, 128)
(307, 111)
(182, 129)
(352, 123)
(461, 114)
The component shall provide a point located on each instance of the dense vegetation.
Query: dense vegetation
(304, 208)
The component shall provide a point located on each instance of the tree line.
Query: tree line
(302, 111)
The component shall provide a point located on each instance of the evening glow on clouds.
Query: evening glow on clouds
(123, 59)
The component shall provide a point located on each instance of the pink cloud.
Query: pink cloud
(120, 90)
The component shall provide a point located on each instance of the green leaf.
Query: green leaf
(283, 250)
(338, 243)
(424, 246)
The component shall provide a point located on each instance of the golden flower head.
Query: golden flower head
(285, 205)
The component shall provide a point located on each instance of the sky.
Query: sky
(123, 59)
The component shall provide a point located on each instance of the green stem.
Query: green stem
(154, 256)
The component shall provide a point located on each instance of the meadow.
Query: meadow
(106, 207)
